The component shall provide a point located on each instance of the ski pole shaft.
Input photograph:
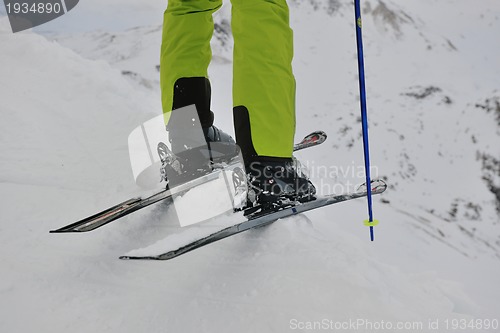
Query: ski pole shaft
(364, 116)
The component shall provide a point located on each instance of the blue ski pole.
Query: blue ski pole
(364, 117)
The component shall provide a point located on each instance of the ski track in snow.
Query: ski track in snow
(68, 107)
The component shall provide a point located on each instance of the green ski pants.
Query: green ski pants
(263, 82)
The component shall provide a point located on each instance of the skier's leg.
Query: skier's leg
(185, 55)
(264, 100)
(264, 85)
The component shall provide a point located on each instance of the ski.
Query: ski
(198, 237)
(131, 205)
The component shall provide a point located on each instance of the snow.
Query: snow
(212, 224)
(70, 102)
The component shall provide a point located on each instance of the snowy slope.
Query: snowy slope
(421, 73)
(65, 121)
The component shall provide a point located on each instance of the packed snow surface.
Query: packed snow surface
(69, 102)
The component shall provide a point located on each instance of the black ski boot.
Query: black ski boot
(213, 134)
(276, 183)
(197, 91)
(192, 153)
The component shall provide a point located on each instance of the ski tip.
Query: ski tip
(322, 133)
(159, 257)
(132, 258)
(377, 186)
(59, 231)
(65, 230)
(318, 137)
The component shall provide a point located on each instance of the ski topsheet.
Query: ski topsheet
(196, 237)
(129, 206)
(313, 139)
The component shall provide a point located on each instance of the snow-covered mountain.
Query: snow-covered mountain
(70, 101)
